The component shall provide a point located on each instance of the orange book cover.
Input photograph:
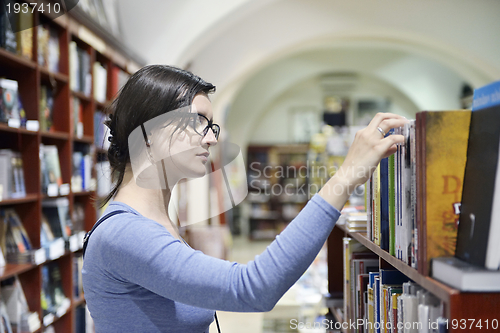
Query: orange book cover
(443, 152)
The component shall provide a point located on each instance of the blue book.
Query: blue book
(384, 204)
(392, 277)
(376, 302)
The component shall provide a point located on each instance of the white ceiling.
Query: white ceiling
(231, 42)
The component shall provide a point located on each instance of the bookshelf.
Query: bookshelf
(33, 77)
(277, 188)
(457, 305)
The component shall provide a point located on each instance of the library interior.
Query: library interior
(252, 243)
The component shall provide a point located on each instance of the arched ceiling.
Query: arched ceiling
(253, 50)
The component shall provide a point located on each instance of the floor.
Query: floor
(275, 321)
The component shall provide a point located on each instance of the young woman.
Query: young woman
(138, 275)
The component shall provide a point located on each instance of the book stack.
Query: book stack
(12, 183)
(413, 195)
(48, 48)
(80, 77)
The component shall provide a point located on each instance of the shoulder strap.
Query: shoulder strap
(102, 219)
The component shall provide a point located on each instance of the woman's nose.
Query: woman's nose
(210, 138)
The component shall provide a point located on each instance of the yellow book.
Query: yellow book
(371, 311)
(442, 139)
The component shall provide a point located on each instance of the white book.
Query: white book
(464, 276)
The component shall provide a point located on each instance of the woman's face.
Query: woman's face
(188, 151)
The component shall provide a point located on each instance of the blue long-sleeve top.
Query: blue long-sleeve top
(137, 277)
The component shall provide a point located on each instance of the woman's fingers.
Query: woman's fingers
(387, 124)
(389, 144)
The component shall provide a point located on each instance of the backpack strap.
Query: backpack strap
(102, 219)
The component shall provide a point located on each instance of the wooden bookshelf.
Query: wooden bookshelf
(457, 305)
(268, 213)
(31, 76)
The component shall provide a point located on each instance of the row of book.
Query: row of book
(18, 39)
(48, 47)
(438, 195)
(12, 183)
(58, 233)
(79, 66)
(12, 180)
(385, 301)
(14, 310)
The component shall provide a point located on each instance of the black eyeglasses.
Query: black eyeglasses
(201, 125)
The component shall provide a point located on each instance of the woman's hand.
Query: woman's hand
(368, 148)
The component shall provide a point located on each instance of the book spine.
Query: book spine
(376, 206)
(392, 213)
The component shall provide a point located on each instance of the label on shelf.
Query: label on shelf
(63, 307)
(40, 256)
(64, 189)
(34, 322)
(32, 125)
(48, 319)
(52, 190)
(15, 123)
(56, 249)
(76, 241)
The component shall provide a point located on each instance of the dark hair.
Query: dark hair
(151, 91)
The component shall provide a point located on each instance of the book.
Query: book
(441, 156)
(54, 52)
(479, 228)
(25, 34)
(9, 101)
(21, 319)
(100, 81)
(376, 205)
(464, 276)
(17, 242)
(51, 169)
(54, 301)
(57, 214)
(8, 39)
(74, 80)
(5, 325)
(392, 207)
(384, 204)
(43, 44)
(46, 109)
